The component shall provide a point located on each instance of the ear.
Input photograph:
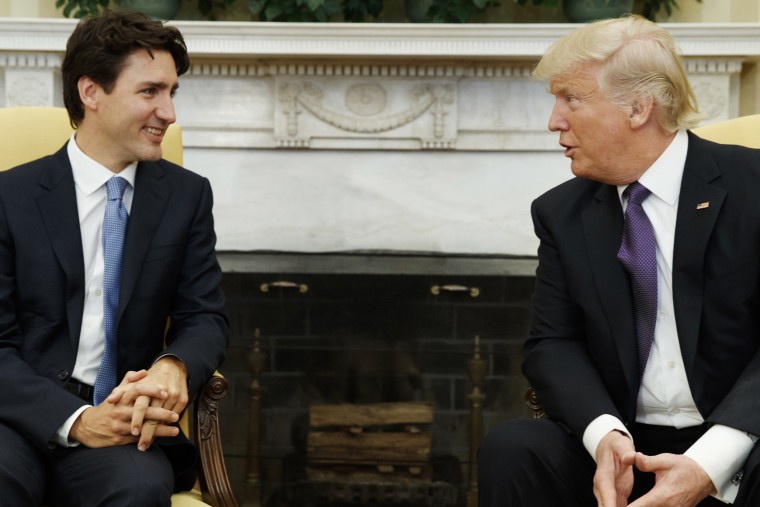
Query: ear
(642, 110)
(89, 92)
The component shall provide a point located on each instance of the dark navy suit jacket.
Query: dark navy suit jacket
(169, 270)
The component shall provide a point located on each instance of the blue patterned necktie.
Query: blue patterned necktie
(114, 230)
(638, 254)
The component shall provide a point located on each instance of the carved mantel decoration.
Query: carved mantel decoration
(359, 109)
(371, 137)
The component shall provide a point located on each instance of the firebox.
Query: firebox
(358, 332)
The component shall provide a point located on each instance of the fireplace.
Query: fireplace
(369, 338)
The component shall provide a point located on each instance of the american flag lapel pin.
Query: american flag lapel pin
(703, 205)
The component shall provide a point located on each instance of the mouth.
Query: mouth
(155, 132)
(568, 149)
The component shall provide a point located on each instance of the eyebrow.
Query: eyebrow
(558, 89)
(160, 84)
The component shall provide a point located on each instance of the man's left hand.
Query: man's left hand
(170, 375)
(679, 481)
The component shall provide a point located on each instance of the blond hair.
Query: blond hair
(635, 57)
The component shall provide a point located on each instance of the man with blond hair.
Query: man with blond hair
(644, 349)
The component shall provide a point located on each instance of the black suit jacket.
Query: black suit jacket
(169, 270)
(581, 356)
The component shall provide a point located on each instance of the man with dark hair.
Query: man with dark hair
(102, 244)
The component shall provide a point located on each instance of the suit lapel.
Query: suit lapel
(693, 229)
(148, 205)
(603, 229)
(58, 209)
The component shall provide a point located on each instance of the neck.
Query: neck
(646, 149)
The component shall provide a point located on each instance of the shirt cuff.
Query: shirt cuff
(721, 452)
(61, 437)
(600, 427)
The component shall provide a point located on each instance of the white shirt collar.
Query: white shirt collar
(663, 178)
(89, 175)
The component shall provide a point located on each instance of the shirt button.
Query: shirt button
(675, 411)
(98, 292)
(671, 364)
(88, 324)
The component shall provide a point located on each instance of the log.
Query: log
(377, 414)
(386, 447)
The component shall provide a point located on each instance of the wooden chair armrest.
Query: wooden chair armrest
(215, 484)
(532, 401)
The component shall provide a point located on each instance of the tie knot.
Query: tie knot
(636, 192)
(115, 187)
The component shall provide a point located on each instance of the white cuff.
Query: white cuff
(597, 430)
(61, 437)
(721, 452)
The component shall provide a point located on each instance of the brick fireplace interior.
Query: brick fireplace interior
(368, 338)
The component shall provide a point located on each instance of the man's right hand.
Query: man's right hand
(613, 480)
(110, 423)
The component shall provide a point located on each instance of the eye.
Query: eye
(573, 102)
(149, 91)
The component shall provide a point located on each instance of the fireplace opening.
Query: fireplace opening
(367, 340)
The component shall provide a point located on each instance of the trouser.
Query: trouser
(538, 463)
(82, 477)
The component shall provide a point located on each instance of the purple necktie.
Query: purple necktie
(638, 254)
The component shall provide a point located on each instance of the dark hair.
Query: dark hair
(99, 46)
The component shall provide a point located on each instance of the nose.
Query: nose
(557, 121)
(165, 110)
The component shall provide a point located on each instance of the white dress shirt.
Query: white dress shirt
(90, 178)
(665, 397)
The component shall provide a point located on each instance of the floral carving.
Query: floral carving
(308, 96)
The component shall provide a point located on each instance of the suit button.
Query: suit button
(63, 374)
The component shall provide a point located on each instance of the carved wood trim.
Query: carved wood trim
(532, 401)
(215, 484)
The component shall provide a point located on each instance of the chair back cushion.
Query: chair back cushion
(744, 131)
(28, 133)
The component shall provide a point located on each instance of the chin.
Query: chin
(582, 171)
(578, 171)
(151, 155)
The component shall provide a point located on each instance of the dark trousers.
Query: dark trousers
(82, 477)
(536, 463)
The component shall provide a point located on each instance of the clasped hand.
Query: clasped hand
(142, 407)
(679, 480)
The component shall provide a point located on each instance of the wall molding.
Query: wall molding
(489, 41)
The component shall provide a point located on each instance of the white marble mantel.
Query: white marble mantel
(401, 138)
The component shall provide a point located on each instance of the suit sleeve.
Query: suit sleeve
(557, 361)
(198, 332)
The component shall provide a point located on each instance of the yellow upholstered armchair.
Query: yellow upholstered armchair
(28, 133)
